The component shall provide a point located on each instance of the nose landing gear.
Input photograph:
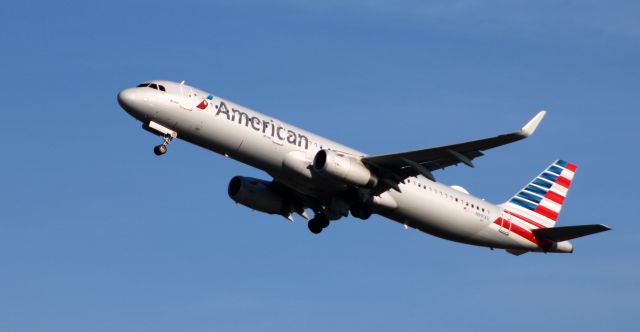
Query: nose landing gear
(160, 130)
(162, 148)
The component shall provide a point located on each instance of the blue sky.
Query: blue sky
(98, 234)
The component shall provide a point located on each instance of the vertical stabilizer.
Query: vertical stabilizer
(542, 199)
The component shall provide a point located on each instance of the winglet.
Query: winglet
(531, 126)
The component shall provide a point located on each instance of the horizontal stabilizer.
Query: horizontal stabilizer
(559, 234)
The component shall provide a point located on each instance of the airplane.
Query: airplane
(313, 173)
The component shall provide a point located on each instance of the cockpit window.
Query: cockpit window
(153, 86)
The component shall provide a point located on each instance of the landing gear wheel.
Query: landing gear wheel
(160, 150)
(318, 223)
(361, 211)
(314, 226)
(323, 221)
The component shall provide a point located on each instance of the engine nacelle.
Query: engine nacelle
(343, 168)
(257, 194)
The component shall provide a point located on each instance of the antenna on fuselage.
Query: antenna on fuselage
(182, 83)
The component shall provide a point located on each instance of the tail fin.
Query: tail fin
(541, 200)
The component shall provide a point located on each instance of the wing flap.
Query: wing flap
(559, 234)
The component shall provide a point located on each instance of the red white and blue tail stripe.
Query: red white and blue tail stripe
(541, 200)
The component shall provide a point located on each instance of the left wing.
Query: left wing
(401, 165)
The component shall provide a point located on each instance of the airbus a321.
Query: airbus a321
(312, 173)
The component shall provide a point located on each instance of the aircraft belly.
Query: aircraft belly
(434, 215)
(492, 237)
(440, 216)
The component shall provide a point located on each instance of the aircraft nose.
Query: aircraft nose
(126, 99)
(132, 102)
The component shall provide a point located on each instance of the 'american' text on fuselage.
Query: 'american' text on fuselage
(267, 127)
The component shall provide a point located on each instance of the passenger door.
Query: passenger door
(505, 224)
(187, 100)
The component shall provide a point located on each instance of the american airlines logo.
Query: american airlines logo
(267, 127)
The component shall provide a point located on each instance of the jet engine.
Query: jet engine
(343, 168)
(258, 195)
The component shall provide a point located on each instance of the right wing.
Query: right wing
(401, 165)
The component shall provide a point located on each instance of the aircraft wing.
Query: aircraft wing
(411, 163)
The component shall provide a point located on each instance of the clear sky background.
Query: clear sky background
(98, 234)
